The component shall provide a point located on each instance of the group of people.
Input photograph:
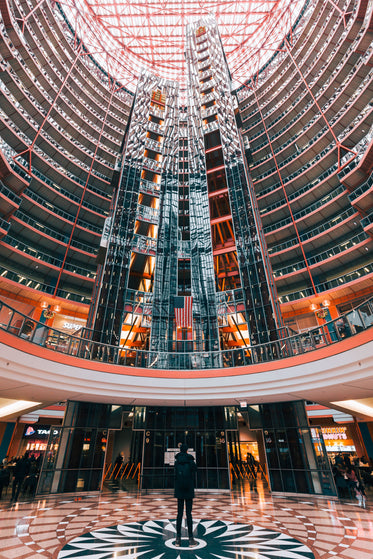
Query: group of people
(347, 477)
(21, 473)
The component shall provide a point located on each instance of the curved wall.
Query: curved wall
(307, 116)
(63, 122)
(308, 120)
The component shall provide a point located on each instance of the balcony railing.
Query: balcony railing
(144, 213)
(149, 187)
(332, 332)
(144, 245)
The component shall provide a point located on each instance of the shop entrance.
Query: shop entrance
(248, 468)
(207, 446)
(122, 470)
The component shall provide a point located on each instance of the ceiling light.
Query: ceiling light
(355, 406)
(17, 406)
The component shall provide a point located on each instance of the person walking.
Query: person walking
(21, 470)
(185, 470)
(251, 464)
(118, 464)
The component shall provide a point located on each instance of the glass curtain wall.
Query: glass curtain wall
(296, 456)
(247, 308)
(75, 455)
(202, 429)
(185, 269)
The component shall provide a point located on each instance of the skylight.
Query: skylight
(126, 36)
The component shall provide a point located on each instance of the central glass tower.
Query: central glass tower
(185, 274)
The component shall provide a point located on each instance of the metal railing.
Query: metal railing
(82, 346)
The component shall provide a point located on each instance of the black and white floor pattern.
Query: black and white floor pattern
(154, 539)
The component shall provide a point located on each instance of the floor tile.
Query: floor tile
(227, 525)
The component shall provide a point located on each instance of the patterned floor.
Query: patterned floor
(226, 526)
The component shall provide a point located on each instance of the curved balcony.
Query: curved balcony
(326, 335)
(281, 72)
(308, 367)
(46, 56)
(341, 247)
(56, 211)
(57, 236)
(51, 260)
(288, 293)
(308, 235)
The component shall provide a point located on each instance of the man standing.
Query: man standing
(185, 470)
(21, 470)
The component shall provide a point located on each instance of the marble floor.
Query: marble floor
(243, 524)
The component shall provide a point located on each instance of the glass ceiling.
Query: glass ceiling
(126, 36)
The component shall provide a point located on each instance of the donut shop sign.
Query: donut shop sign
(334, 433)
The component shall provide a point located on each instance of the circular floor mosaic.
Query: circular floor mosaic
(154, 539)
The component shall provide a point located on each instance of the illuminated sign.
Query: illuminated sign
(334, 433)
(71, 326)
(39, 432)
(337, 440)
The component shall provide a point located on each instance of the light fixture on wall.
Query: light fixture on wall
(48, 313)
(322, 313)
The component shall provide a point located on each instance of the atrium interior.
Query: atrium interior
(186, 237)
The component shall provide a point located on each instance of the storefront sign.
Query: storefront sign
(38, 432)
(337, 440)
(71, 326)
(334, 433)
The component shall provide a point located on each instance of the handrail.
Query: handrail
(39, 333)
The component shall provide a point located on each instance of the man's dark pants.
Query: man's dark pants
(188, 510)
(16, 487)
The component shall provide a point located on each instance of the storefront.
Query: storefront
(121, 446)
(340, 438)
(34, 439)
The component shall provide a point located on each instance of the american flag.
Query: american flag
(183, 311)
